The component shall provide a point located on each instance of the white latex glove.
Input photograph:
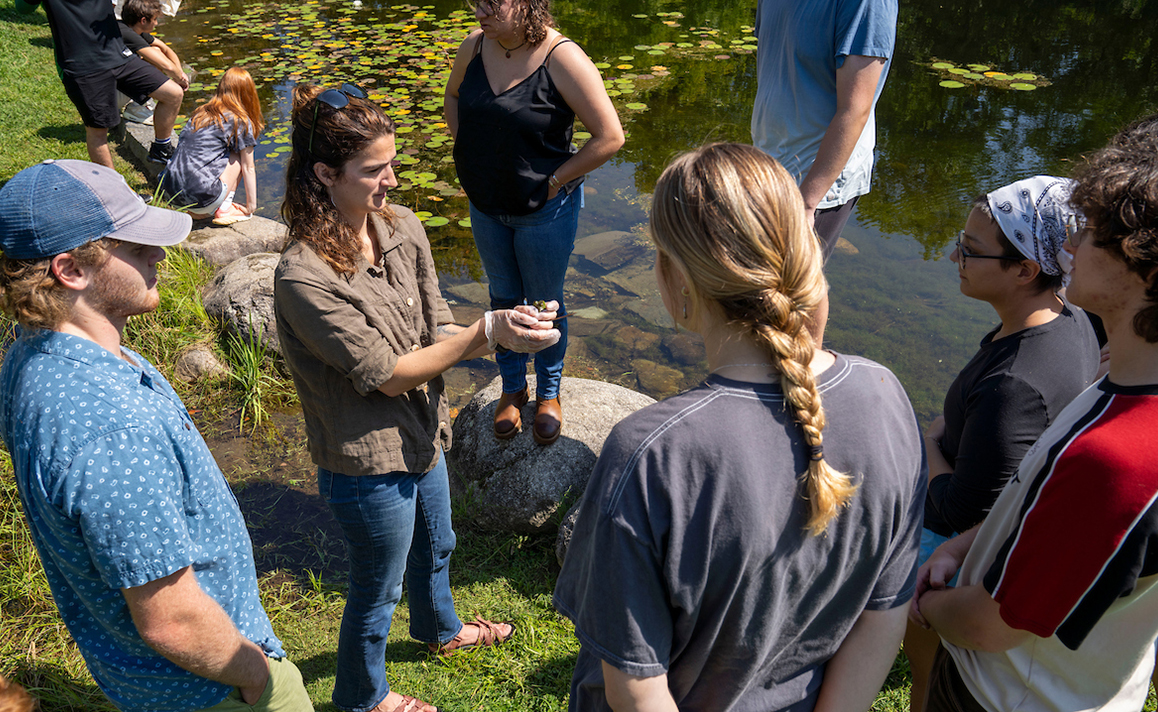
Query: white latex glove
(524, 328)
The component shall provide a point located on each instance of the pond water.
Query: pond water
(684, 74)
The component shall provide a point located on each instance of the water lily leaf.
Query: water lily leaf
(623, 66)
(604, 65)
(464, 223)
(436, 221)
(958, 70)
(1022, 86)
(980, 67)
(613, 92)
(974, 76)
(626, 57)
(655, 51)
(951, 84)
(640, 16)
(642, 47)
(942, 65)
(636, 106)
(581, 135)
(1025, 75)
(423, 215)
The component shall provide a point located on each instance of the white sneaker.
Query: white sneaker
(138, 114)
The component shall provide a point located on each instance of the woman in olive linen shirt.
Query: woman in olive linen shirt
(367, 335)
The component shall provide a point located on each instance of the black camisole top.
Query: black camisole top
(509, 144)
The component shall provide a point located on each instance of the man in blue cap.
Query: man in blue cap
(141, 539)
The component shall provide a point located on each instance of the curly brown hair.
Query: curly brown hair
(534, 15)
(340, 135)
(30, 292)
(1117, 192)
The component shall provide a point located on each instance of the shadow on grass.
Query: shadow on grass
(45, 42)
(68, 133)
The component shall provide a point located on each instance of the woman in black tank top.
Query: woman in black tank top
(511, 102)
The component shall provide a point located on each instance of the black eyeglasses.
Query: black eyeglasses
(1075, 230)
(335, 99)
(961, 251)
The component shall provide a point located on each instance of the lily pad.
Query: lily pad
(951, 84)
(1027, 76)
(437, 221)
(636, 106)
(974, 76)
(958, 70)
(581, 135)
(1022, 86)
(980, 67)
(464, 223)
(942, 65)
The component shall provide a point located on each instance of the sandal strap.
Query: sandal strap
(413, 704)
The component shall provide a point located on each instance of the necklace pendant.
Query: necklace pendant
(508, 54)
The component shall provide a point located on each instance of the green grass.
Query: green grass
(37, 121)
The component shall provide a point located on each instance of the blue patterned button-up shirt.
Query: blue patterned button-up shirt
(120, 489)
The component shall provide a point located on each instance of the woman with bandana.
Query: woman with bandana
(1041, 355)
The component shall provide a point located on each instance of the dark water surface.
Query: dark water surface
(686, 74)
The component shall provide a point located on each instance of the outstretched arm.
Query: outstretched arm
(853, 676)
(165, 59)
(856, 85)
(186, 626)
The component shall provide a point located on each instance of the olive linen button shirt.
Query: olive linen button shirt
(342, 335)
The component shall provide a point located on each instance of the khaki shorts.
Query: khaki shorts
(285, 692)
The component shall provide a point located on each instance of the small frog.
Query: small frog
(539, 304)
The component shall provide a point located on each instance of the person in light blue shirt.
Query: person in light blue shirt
(821, 65)
(142, 541)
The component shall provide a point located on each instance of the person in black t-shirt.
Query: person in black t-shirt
(1042, 355)
(94, 63)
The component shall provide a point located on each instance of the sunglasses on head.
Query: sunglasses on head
(335, 99)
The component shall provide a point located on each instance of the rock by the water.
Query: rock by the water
(656, 378)
(219, 245)
(685, 348)
(198, 362)
(240, 297)
(845, 247)
(518, 485)
(563, 538)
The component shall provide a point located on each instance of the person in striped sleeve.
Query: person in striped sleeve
(1057, 604)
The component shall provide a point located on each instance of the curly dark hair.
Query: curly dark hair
(534, 15)
(1117, 192)
(340, 135)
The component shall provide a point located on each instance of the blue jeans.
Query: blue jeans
(395, 525)
(526, 257)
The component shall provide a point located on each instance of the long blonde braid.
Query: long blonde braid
(731, 220)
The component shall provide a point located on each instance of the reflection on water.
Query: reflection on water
(894, 297)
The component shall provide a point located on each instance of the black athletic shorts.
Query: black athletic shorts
(95, 95)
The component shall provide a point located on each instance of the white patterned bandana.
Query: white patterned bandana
(1033, 214)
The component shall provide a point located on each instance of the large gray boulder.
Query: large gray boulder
(240, 297)
(220, 245)
(518, 485)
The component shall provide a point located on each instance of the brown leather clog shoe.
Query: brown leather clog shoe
(548, 420)
(508, 420)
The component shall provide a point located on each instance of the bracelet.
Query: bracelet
(553, 181)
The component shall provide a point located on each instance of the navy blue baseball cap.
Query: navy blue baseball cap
(57, 206)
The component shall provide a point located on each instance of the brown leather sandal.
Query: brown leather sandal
(413, 704)
(488, 635)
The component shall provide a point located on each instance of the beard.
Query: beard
(119, 298)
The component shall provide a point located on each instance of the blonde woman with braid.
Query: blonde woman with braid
(749, 544)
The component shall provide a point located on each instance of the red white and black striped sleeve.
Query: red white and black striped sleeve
(1088, 528)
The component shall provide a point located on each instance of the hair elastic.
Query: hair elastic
(815, 452)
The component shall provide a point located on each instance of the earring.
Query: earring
(684, 291)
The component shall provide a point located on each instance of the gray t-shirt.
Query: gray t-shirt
(690, 556)
(193, 177)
